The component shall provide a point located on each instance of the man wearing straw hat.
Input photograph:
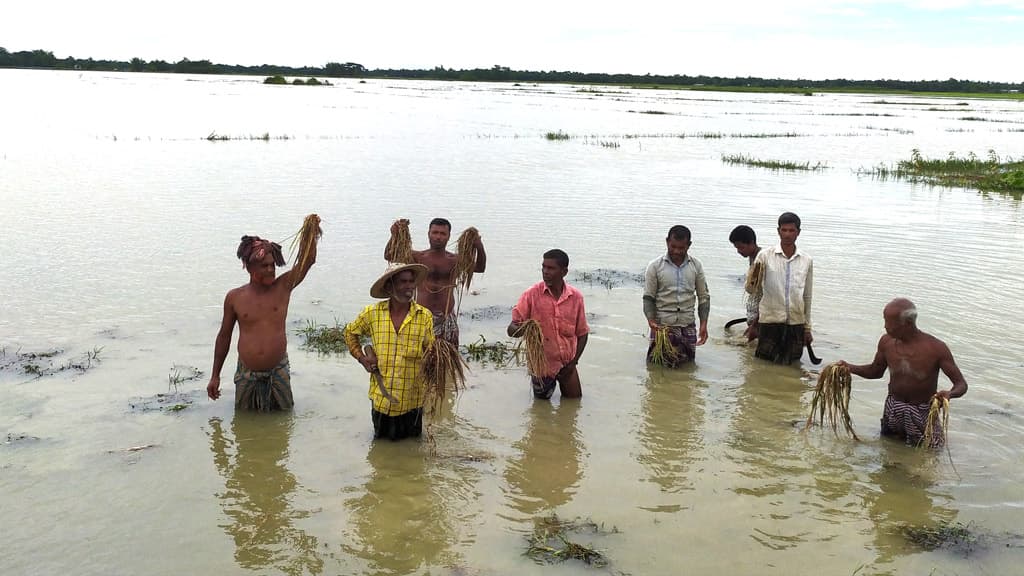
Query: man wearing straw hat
(558, 308)
(262, 377)
(438, 291)
(399, 330)
(673, 283)
(913, 359)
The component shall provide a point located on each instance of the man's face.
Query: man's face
(744, 249)
(552, 272)
(894, 325)
(438, 235)
(403, 286)
(788, 234)
(263, 271)
(677, 249)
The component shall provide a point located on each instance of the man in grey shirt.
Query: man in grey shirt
(674, 282)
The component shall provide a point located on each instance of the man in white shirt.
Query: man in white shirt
(783, 296)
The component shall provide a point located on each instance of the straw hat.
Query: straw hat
(377, 290)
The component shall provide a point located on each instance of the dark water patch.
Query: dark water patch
(608, 277)
(168, 402)
(492, 312)
(19, 439)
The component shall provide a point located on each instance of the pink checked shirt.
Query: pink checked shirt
(562, 321)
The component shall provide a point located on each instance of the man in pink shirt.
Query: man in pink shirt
(558, 308)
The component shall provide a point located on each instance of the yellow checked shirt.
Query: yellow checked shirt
(398, 354)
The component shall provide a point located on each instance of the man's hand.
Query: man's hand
(751, 332)
(652, 323)
(213, 388)
(943, 394)
(702, 335)
(843, 364)
(369, 363)
(515, 329)
(808, 337)
(566, 369)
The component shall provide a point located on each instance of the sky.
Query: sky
(812, 39)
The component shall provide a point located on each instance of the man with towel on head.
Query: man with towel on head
(399, 331)
(262, 378)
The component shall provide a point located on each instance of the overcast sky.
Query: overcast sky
(815, 39)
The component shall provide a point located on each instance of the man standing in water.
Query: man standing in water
(437, 293)
(913, 359)
(744, 240)
(400, 331)
(783, 297)
(262, 378)
(673, 283)
(558, 308)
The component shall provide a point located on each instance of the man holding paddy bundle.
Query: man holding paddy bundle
(913, 359)
(780, 284)
(557, 308)
(673, 283)
(744, 240)
(438, 291)
(400, 330)
(262, 377)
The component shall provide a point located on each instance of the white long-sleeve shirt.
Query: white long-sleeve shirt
(785, 295)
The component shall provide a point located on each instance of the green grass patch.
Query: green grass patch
(550, 541)
(322, 338)
(772, 164)
(992, 174)
(556, 135)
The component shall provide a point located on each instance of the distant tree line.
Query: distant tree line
(497, 73)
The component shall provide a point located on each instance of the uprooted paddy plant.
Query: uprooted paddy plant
(992, 174)
(47, 363)
(772, 164)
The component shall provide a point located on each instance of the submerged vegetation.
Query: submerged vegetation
(955, 536)
(39, 364)
(772, 164)
(992, 174)
(550, 543)
(281, 80)
(266, 137)
(322, 338)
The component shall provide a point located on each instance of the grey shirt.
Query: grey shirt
(671, 291)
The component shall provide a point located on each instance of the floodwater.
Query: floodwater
(119, 224)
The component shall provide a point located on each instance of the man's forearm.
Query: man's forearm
(650, 308)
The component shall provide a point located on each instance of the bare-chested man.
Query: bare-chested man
(913, 359)
(262, 379)
(437, 292)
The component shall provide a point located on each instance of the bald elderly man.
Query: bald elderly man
(913, 359)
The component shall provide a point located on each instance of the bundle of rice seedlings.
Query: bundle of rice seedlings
(755, 278)
(939, 409)
(532, 344)
(663, 353)
(305, 240)
(465, 261)
(441, 368)
(832, 399)
(400, 244)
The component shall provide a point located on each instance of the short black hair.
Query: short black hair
(789, 218)
(679, 232)
(743, 234)
(441, 222)
(558, 256)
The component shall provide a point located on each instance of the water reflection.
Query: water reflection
(670, 432)
(902, 494)
(546, 473)
(401, 521)
(258, 494)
